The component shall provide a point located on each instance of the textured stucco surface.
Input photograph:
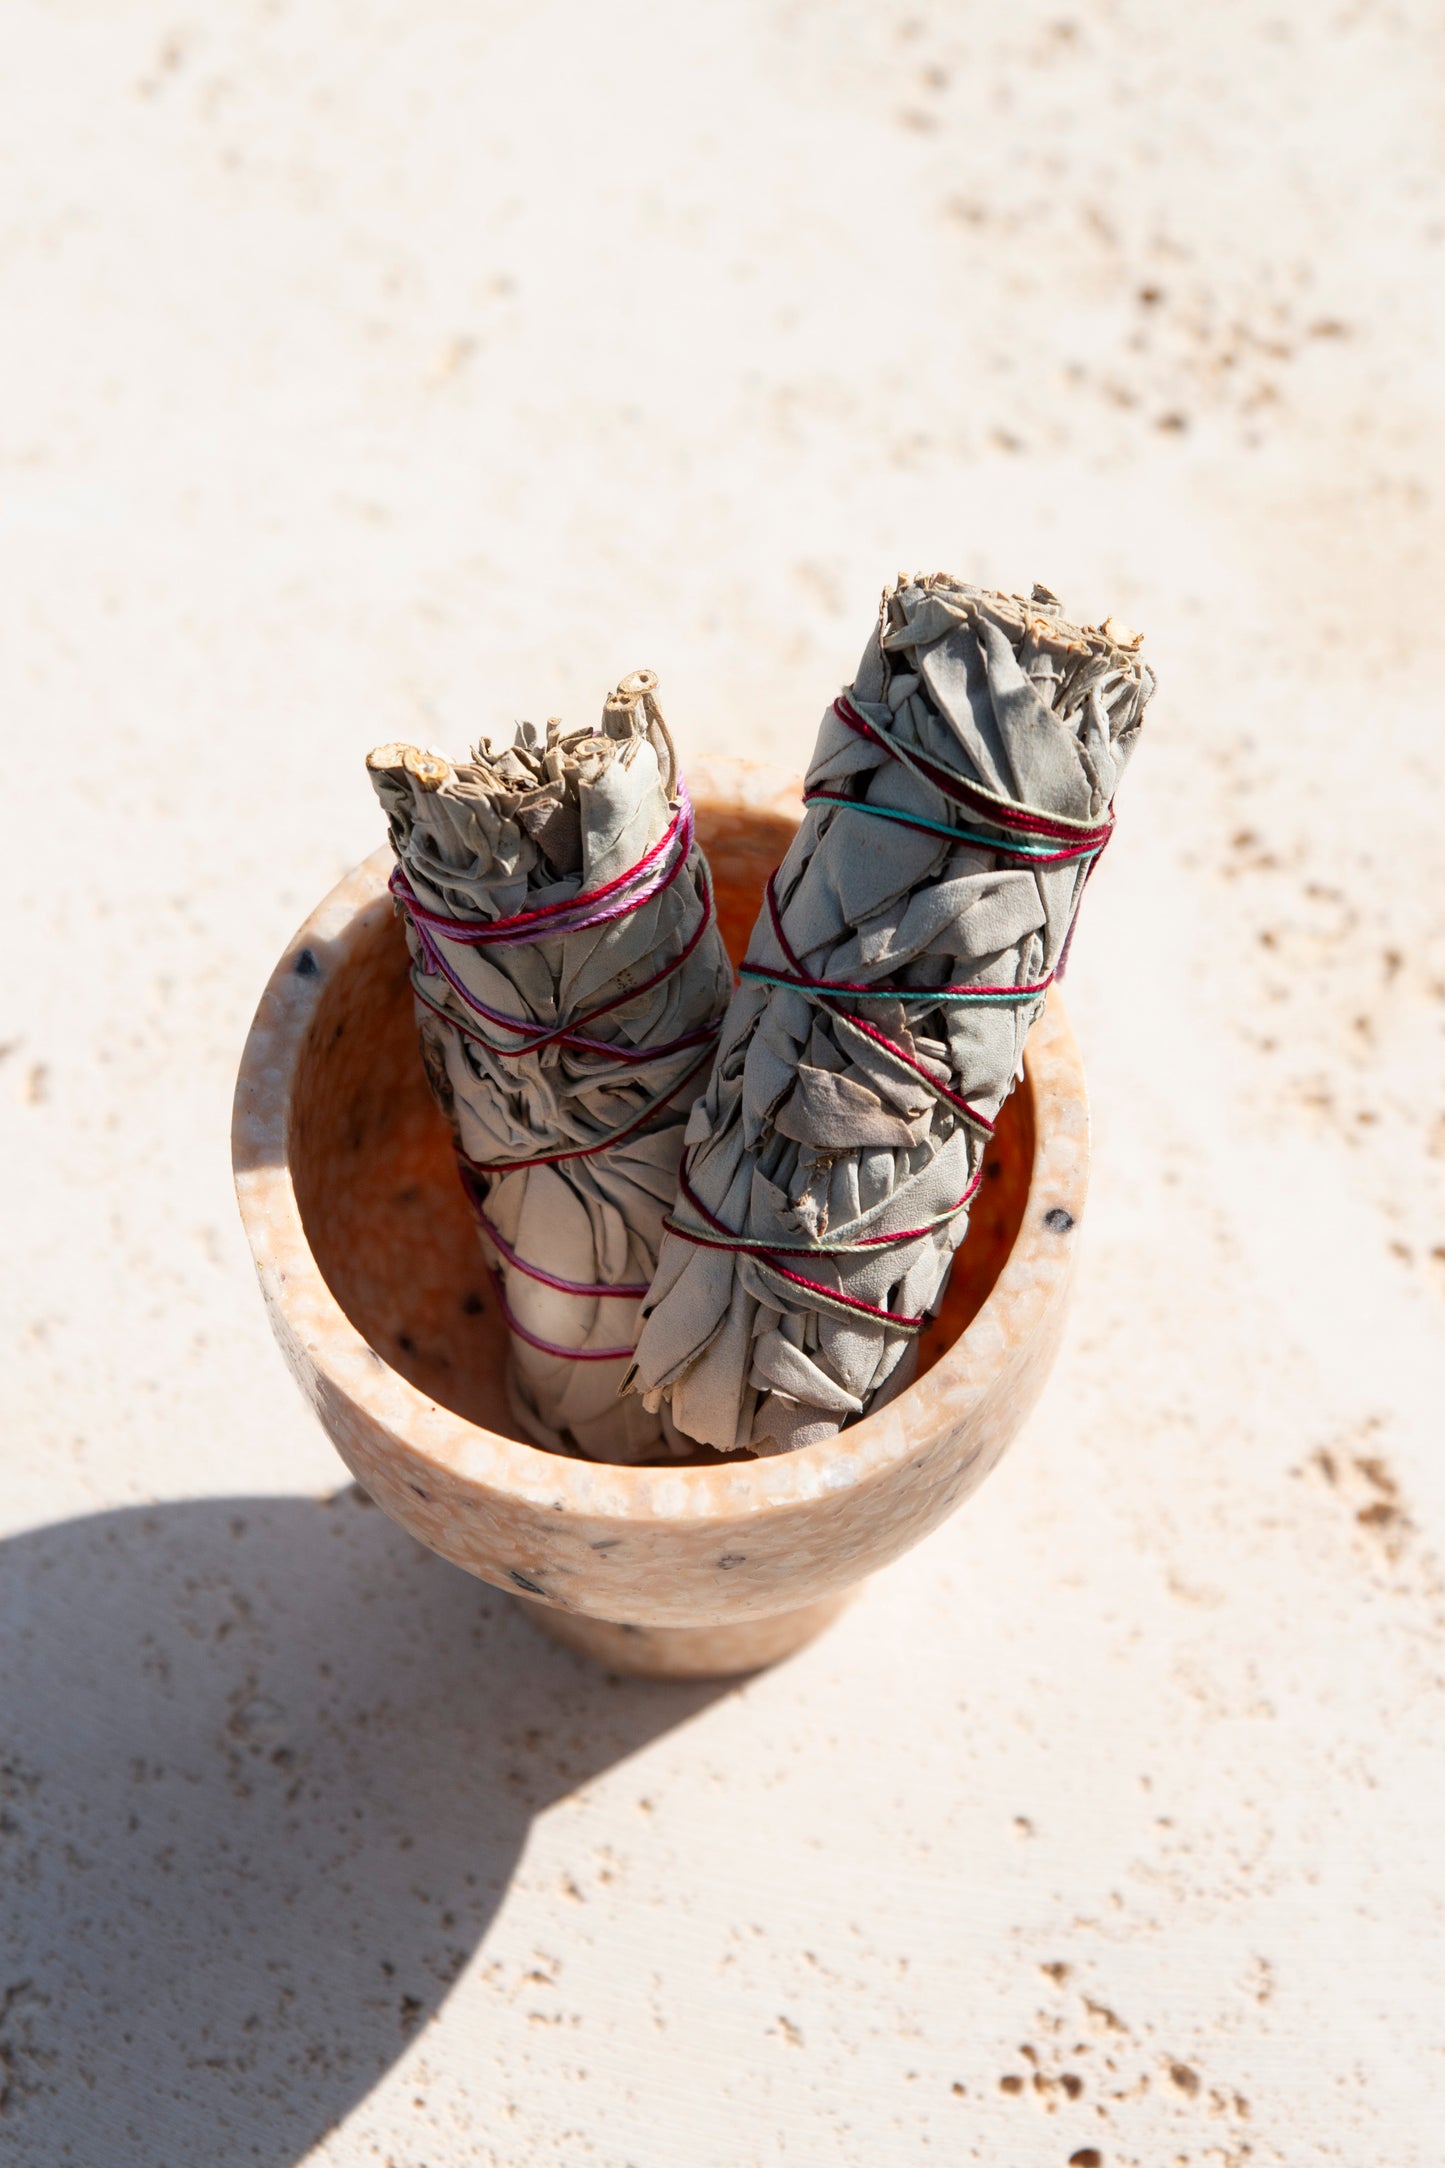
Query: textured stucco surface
(378, 372)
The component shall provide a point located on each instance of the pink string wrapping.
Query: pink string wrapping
(858, 1023)
(630, 1289)
(999, 812)
(1082, 842)
(571, 914)
(771, 1258)
(545, 924)
(553, 1347)
(635, 1057)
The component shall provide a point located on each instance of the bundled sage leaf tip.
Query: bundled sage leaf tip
(958, 797)
(569, 981)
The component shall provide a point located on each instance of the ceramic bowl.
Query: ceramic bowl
(369, 1264)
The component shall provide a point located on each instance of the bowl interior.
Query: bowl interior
(376, 1185)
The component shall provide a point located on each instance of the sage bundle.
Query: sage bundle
(958, 798)
(570, 981)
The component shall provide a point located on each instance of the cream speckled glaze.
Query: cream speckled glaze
(373, 1280)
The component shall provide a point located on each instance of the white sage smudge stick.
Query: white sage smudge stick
(960, 793)
(570, 980)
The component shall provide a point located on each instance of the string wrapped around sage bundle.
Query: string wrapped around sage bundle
(959, 795)
(570, 981)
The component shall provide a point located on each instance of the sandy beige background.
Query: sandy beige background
(389, 371)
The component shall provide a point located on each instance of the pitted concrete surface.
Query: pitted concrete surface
(381, 371)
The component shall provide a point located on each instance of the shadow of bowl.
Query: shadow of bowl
(369, 1264)
(266, 1771)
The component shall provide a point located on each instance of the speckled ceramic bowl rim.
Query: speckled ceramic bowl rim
(1031, 1280)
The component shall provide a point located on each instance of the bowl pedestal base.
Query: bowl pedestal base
(686, 1652)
